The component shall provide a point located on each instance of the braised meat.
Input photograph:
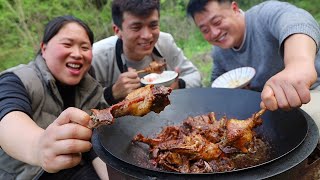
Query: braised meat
(205, 144)
(138, 103)
(154, 67)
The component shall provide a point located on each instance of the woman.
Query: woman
(43, 132)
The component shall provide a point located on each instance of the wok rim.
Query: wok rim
(233, 171)
(178, 173)
(272, 169)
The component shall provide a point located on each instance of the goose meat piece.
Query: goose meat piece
(137, 103)
(205, 144)
(154, 67)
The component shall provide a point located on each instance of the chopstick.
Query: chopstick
(141, 71)
(260, 113)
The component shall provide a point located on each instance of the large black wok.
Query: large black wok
(285, 131)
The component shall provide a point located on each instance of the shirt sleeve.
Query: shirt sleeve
(108, 96)
(13, 95)
(175, 57)
(283, 19)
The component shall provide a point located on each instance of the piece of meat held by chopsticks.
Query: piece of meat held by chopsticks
(154, 67)
(137, 103)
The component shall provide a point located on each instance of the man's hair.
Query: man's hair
(54, 26)
(197, 6)
(141, 8)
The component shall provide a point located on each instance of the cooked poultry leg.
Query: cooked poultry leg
(154, 67)
(239, 132)
(138, 103)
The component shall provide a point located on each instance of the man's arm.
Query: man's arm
(290, 87)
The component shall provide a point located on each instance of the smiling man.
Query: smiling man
(276, 38)
(138, 42)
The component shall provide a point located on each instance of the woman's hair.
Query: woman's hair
(54, 26)
(140, 8)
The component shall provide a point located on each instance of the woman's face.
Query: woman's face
(68, 54)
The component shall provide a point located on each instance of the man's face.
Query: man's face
(139, 34)
(221, 24)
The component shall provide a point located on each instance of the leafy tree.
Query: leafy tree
(22, 23)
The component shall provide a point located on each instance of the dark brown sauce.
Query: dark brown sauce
(203, 144)
(259, 153)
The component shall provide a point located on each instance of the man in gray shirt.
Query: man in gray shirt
(138, 42)
(276, 38)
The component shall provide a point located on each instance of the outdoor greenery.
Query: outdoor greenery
(22, 23)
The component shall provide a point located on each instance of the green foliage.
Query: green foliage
(312, 6)
(246, 4)
(22, 23)
(188, 37)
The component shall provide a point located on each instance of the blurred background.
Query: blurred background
(22, 23)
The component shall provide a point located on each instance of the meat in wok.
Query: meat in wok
(137, 103)
(203, 144)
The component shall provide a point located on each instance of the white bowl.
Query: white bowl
(166, 78)
(236, 78)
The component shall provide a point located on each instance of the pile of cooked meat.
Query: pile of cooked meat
(204, 144)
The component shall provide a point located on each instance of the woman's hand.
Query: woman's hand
(61, 144)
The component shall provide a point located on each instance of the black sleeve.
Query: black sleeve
(182, 84)
(108, 96)
(89, 156)
(13, 95)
